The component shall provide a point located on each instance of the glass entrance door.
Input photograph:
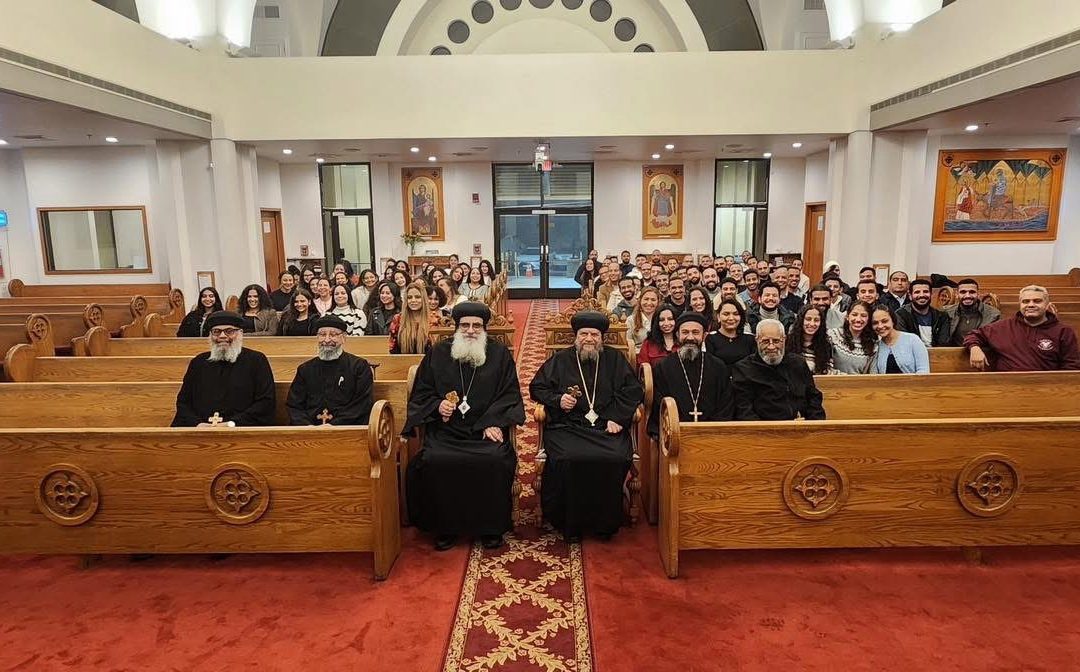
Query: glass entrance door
(542, 250)
(348, 235)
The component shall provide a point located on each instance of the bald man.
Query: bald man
(772, 384)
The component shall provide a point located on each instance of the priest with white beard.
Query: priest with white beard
(229, 386)
(467, 398)
(333, 388)
(699, 383)
(773, 384)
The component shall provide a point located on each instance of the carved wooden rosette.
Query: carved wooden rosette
(815, 488)
(138, 306)
(989, 485)
(93, 315)
(238, 494)
(176, 299)
(669, 428)
(38, 328)
(15, 287)
(67, 495)
(381, 435)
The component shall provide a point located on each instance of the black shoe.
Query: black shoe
(141, 557)
(491, 541)
(572, 538)
(445, 542)
(218, 557)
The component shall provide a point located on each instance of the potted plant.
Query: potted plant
(411, 239)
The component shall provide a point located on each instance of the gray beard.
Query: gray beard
(772, 360)
(469, 351)
(591, 355)
(329, 353)
(226, 353)
(689, 352)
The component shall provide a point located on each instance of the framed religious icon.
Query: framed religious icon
(992, 195)
(422, 194)
(661, 201)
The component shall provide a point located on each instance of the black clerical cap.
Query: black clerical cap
(224, 318)
(590, 319)
(470, 309)
(332, 321)
(692, 317)
(938, 281)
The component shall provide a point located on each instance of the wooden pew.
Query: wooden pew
(98, 343)
(867, 483)
(164, 490)
(22, 365)
(17, 287)
(36, 331)
(120, 318)
(171, 306)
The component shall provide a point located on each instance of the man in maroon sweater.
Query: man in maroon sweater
(1034, 340)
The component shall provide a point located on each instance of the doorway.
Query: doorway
(273, 246)
(541, 251)
(814, 242)
(348, 234)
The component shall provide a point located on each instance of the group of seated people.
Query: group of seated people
(835, 328)
(399, 306)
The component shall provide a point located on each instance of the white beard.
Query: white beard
(471, 351)
(226, 353)
(689, 352)
(329, 353)
(590, 355)
(772, 360)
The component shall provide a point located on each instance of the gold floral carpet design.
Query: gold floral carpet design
(523, 607)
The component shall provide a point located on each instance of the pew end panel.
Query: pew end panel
(383, 449)
(668, 487)
(647, 447)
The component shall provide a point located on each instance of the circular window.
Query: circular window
(482, 11)
(457, 31)
(571, 4)
(625, 29)
(440, 51)
(510, 5)
(600, 10)
(541, 4)
(644, 49)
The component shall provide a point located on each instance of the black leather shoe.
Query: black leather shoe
(445, 542)
(491, 541)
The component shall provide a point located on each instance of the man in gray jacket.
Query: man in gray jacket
(970, 313)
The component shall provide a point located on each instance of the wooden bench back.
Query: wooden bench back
(866, 483)
(174, 490)
(17, 287)
(100, 344)
(113, 404)
(23, 366)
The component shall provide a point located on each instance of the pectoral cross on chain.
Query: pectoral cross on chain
(325, 416)
(215, 419)
(696, 413)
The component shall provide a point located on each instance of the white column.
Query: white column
(170, 213)
(850, 165)
(238, 228)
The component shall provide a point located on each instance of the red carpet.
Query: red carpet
(882, 609)
(246, 612)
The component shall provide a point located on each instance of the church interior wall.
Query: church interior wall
(300, 209)
(787, 206)
(269, 189)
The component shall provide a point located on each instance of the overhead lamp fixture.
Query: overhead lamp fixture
(432, 158)
(320, 160)
(109, 138)
(900, 27)
(3, 142)
(767, 155)
(656, 156)
(414, 150)
(286, 151)
(669, 146)
(541, 148)
(796, 145)
(971, 128)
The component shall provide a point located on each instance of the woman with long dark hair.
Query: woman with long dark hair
(809, 340)
(354, 318)
(730, 343)
(385, 303)
(260, 318)
(854, 344)
(698, 301)
(898, 351)
(589, 277)
(661, 341)
(300, 317)
(194, 323)
(488, 271)
(368, 280)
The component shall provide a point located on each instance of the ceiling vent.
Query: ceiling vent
(271, 12)
(811, 5)
(40, 138)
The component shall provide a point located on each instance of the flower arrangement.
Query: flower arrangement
(411, 239)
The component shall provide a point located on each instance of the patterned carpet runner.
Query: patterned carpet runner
(523, 606)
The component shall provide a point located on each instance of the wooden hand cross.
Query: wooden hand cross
(574, 391)
(215, 419)
(325, 416)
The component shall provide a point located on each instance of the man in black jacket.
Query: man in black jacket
(917, 317)
(772, 385)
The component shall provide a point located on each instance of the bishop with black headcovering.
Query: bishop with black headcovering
(699, 383)
(466, 398)
(334, 387)
(229, 385)
(590, 394)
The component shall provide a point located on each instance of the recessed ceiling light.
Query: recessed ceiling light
(3, 142)
(767, 155)
(286, 151)
(900, 27)
(971, 127)
(656, 156)
(432, 158)
(414, 150)
(796, 145)
(110, 138)
(320, 160)
(669, 146)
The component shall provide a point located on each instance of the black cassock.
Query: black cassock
(341, 386)
(717, 401)
(460, 483)
(582, 483)
(242, 391)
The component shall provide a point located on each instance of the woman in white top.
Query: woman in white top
(323, 301)
(449, 288)
(368, 280)
(354, 318)
(637, 328)
(854, 344)
(476, 290)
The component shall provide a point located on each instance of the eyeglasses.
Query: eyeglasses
(224, 331)
(770, 341)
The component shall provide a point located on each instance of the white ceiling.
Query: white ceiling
(1052, 108)
(66, 126)
(561, 149)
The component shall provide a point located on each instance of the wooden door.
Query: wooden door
(814, 242)
(273, 247)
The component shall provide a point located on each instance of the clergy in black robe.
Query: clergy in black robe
(466, 397)
(229, 385)
(590, 394)
(772, 385)
(697, 381)
(333, 388)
